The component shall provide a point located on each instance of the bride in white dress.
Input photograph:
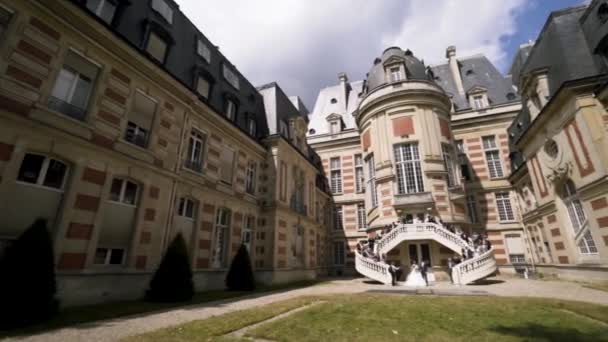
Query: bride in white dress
(414, 278)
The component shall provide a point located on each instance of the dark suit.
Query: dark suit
(423, 269)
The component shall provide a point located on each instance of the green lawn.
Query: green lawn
(90, 313)
(405, 318)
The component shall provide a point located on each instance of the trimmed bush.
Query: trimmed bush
(172, 281)
(240, 276)
(27, 279)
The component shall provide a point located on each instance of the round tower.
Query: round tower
(404, 120)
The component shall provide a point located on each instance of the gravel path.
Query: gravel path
(112, 330)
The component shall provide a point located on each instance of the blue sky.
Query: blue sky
(304, 44)
(530, 22)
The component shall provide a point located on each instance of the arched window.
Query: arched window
(578, 219)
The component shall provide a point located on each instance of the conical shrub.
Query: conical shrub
(240, 276)
(172, 281)
(27, 279)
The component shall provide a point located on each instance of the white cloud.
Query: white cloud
(303, 44)
(473, 26)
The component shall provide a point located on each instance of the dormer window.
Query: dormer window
(230, 76)
(203, 87)
(156, 47)
(203, 50)
(334, 127)
(396, 74)
(162, 8)
(104, 9)
(230, 109)
(479, 102)
(252, 126)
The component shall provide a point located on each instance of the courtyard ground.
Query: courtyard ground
(115, 329)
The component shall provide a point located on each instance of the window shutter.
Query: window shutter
(227, 165)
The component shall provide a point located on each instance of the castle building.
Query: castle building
(410, 141)
(559, 144)
(122, 125)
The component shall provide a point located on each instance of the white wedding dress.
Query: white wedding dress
(414, 278)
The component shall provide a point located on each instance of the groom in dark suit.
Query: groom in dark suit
(424, 266)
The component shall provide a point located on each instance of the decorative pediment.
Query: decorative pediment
(477, 89)
(333, 116)
(393, 60)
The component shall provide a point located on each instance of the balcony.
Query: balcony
(413, 199)
(67, 108)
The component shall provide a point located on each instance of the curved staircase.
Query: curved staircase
(466, 272)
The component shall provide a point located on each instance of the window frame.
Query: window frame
(226, 230)
(338, 218)
(371, 180)
(108, 256)
(231, 77)
(359, 173)
(408, 169)
(42, 173)
(205, 54)
(504, 198)
(182, 208)
(148, 132)
(472, 209)
(100, 7)
(189, 162)
(250, 175)
(123, 190)
(361, 216)
(492, 156)
(159, 11)
(335, 174)
(230, 115)
(448, 161)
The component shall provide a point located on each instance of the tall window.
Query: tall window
(140, 120)
(230, 76)
(371, 181)
(222, 228)
(156, 47)
(492, 156)
(246, 235)
(336, 175)
(43, 171)
(409, 172)
(104, 9)
(472, 209)
(503, 203)
(227, 165)
(186, 208)
(395, 73)
(252, 127)
(196, 150)
(449, 164)
(5, 19)
(163, 9)
(230, 109)
(359, 176)
(578, 219)
(124, 191)
(250, 178)
(203, 50)
(338, 218)
(339, 254)
(283, 182)
(462, 160)
(203, 87)
(361, 216)
(74, 86)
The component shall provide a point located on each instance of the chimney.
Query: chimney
(450, 54)
(343, 90)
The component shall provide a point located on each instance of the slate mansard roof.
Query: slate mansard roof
(476, 71)
(133, 21)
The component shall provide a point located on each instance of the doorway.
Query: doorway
(419, 252)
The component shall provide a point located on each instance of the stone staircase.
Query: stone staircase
(466, 272)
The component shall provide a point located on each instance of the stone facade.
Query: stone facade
(141, 159)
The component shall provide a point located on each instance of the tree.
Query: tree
(27, 273)
(172, 281)
(240, 276)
